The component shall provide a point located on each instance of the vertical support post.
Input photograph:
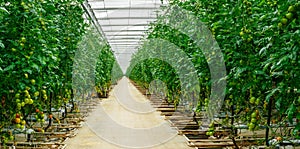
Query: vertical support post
(269, 114)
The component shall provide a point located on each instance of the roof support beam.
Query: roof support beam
(113, 39)
(126, 35)
(121, 18)
(87, 8)
(116, 44)
(126, 8)
(123, 31)
(108, 25)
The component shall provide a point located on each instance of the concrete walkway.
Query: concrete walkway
(126, 120)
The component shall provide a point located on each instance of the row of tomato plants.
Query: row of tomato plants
(260, 44)
(95, 67)
(38, 64)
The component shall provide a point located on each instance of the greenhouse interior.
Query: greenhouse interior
(150, 74)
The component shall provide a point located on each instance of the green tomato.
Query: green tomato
(32, 81)
(44, 91)
(257, 101)
(23, 104)
(291, 9)
(17, 95)
(13, 49)
(4, 141)
(251, 126)
(36, 94)
(289, 16)
(252, 100)
(253, 115)
(26, 75)
(284, 21)
(18, 126)
(30, 101)
(280, 25)
(26, 89)
(23, 122)
(241, 34)
(206, 100)
(23, 39)
(241, 62)
(26, 100)
(249, 39)
(19, 105)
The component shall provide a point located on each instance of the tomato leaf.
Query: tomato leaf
(28, 70)
(272, 93)
(35, 66)
(10, 67)
(3, 10)
(291, 111)
(1, 44)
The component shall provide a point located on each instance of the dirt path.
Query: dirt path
(126, 120)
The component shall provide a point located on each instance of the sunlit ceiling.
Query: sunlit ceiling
(123, 23)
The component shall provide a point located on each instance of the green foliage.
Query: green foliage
(260, 44)
(108, 71)
(94, 65)
(38, 42)
(47, 52)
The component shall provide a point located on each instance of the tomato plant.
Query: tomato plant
(38, 42)
(260, 44)
(94, 65)
(104, 70)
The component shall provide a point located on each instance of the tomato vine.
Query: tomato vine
(260, 44)
(38, 44)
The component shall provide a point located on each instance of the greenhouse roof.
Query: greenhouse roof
(123, 23)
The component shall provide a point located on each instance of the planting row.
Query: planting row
(259, 46)
(50, 56)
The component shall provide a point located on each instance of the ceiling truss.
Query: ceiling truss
(123, 22)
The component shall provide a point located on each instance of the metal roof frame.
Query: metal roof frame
(122, 29)
(125, 8)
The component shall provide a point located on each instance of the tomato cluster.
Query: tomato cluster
(38, 42)
(38, 46)
(260, 45)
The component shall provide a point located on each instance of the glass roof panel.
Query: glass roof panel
(124, 23)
